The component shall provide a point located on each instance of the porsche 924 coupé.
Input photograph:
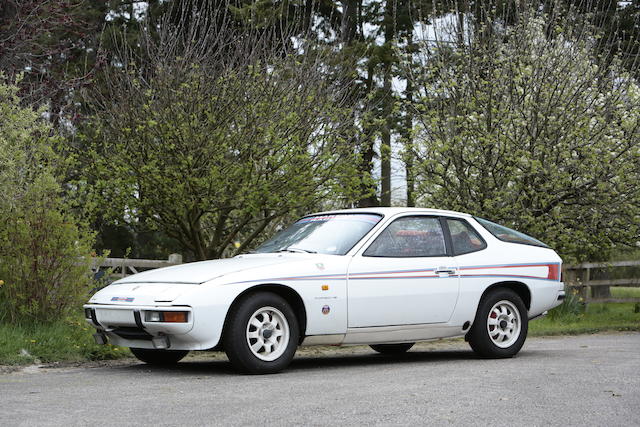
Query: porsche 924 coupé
(386, 277)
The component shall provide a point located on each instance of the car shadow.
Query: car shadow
(312, 363)
(357, 360)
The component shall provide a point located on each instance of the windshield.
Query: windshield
(323, 234)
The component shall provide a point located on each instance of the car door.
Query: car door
(404, 276)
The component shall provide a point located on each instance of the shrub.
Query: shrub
(572, 307)
(43, 249)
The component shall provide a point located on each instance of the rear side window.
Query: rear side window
(464, 239)
(508, 235)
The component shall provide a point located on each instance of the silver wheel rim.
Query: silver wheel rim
(267, 333)
(504, 324)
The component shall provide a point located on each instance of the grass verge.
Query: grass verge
(573, 318)
(66, 340)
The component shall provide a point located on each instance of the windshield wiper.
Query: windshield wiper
(297, 250)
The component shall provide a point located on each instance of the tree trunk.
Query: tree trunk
(385, 142)
(409, 158)
(348, 35)
(349, 24)
(367, 150)
(387, 95)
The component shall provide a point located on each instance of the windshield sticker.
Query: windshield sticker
(345, 217)
(316, 219)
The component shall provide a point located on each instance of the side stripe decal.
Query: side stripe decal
(397, 274)
(465, 276)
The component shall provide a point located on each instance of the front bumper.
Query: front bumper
(126, 326)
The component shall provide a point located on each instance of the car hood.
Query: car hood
(199, 272)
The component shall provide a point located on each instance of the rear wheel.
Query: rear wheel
(158, 357)
(261, 335)
(392, 348)
(500, 326)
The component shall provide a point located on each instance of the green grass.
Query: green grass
(596, 318)
(625, 292)
(67, 340)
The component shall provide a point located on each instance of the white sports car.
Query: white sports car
(386, 277)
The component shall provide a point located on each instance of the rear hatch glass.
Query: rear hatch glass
(506, 234)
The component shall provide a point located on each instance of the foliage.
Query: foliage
(58, 46)
(66, 48)
(212, 147)
(524, 127)
(41, 245)
(18, 127)
(572, 306)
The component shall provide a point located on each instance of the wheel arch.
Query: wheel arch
(519, 288)
(289, 294)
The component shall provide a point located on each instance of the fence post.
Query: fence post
(588, 290)
(602, 292)
(175, 258)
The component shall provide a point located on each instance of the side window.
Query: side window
(464, 238)
(415, 236)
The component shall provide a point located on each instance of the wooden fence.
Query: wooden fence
(592, 287)
(121, 267)
(593, 280)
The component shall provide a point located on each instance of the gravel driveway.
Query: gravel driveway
(580, 380)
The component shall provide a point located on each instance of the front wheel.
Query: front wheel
(392, 348)
(261, 335)
(158, 357)
(500, 326)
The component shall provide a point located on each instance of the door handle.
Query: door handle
(445, 270)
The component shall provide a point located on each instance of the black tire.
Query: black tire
(236, 343)
(392, 348)
(479, 337)
(159, 357)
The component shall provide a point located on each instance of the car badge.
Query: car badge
(326, 309)
(123, 299)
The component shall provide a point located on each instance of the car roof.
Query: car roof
(388, 211)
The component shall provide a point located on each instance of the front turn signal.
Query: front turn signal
(167, 316)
